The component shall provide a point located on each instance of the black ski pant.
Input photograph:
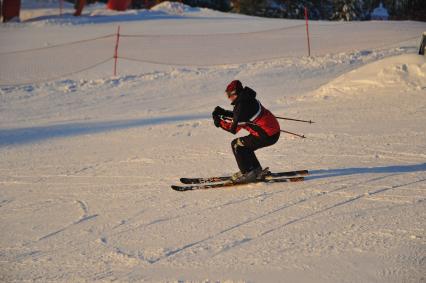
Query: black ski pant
(244, 148)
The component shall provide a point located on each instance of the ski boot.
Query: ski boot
(236, 176)
(248, 177)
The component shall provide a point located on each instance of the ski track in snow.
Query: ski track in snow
(86, 162)
(273, 213)
(83, 218)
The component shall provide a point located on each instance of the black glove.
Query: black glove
(216, 120)
(219, 111)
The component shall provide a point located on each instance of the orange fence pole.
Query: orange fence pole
(61, 7)
(307, 31)
(116, 51)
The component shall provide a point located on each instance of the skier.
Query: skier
(248, 114)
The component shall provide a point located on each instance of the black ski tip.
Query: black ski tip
(180, 188)
(204, 180)
(185, 180)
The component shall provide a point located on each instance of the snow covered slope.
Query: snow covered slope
(87, 160)
(406, 73)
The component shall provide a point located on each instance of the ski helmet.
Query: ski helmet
(234, 87)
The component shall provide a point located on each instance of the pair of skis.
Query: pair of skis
(225, 181)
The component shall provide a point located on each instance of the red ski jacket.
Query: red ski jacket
(249, 114)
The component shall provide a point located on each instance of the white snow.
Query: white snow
(87, 159)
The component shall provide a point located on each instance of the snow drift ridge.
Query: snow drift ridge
(407, 72)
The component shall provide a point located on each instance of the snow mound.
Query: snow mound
(405, 72)
(174, 8)
(45, 13)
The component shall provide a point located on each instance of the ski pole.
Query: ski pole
(290, 119)
(282, 118)
(294, 134)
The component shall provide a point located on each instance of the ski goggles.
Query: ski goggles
(230, 93)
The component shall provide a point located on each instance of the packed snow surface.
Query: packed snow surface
(87, 158)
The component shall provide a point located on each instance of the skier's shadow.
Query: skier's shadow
(395, 169)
